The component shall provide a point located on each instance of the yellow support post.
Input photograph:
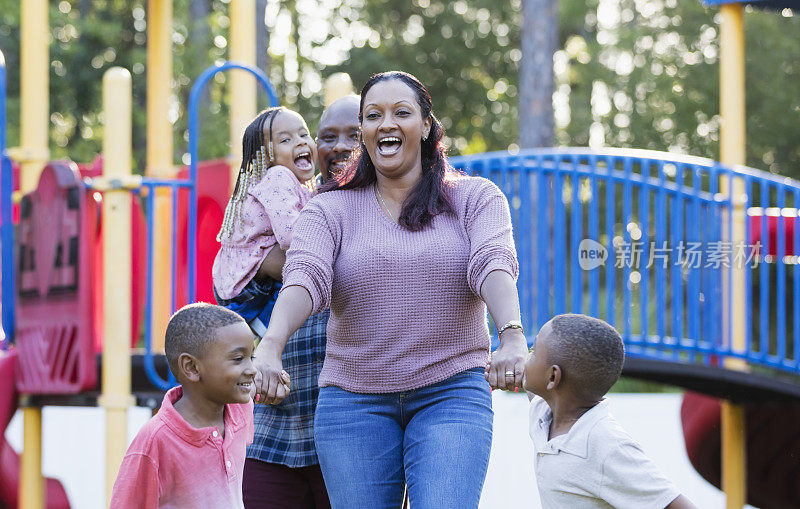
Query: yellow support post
(242, 41)
(31, 489)
(734, 474)
(117, 155)
(732, 153)
(159, 156)
(34, 92)
(34, 153)
(337, 85)
(732, 99)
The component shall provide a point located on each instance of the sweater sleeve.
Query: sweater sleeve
(280, 197)
(488, 224)
(309, 261)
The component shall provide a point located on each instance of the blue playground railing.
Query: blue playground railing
(641, 239)
(6, 225)
(152, 184)
(664, 226)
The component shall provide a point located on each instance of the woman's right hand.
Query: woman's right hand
(272, 382)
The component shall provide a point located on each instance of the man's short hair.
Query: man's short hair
(589, 351)
(192, 328)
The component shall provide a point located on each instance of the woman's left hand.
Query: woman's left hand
(507, 366)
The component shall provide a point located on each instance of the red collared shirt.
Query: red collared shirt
(170, 464)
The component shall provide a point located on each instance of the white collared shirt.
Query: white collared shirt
(595, 465)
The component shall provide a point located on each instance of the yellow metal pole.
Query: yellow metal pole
(33, 154)
(159, 156)
(337, 85)
(732, 100)
(34, 92)
(117, 155)
(732, 153)
(31, 490)
(243, 86)
(734, 474)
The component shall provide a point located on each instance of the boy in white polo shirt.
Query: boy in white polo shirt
(584, 459)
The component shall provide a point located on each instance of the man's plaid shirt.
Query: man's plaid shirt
(285, 432)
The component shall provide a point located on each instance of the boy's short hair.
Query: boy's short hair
(192, 328)
(589, 351)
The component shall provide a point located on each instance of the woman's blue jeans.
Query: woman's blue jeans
(435, 439)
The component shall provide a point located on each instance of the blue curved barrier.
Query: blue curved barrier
(642, 239)
(191, 185)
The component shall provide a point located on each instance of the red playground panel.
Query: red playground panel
(55, 284)
(773, 447)
(213, 181)
(9, 459)
(138, 254)
(790, 222)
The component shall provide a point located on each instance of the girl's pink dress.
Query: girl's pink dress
(268, 213)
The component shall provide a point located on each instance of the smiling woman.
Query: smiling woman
(407, 254)
(399, 134)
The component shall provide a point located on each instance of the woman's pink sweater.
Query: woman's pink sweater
(405, 306)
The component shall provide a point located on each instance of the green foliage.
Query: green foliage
(113, 33)
(631, 73)
(773, 91)
(645, 74)
(627, 384)
(83, 46)
(466, 53)
(9, 45)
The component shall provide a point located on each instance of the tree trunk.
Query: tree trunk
(262, 37)
(539, 35)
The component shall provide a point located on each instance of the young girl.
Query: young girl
(274, 183)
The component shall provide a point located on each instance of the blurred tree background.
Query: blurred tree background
(628, 73)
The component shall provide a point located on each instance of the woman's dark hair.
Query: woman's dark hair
(253, 138)
(429, 197)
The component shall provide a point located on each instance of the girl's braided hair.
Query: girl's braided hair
(255, 162)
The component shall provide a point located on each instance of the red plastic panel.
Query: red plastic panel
(213, 178)
(138, 253)
(9, 459)
(138, 270)
(55, 277)
(773, 447)
(789, 226)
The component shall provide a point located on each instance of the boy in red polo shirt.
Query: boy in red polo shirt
(192, 452)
